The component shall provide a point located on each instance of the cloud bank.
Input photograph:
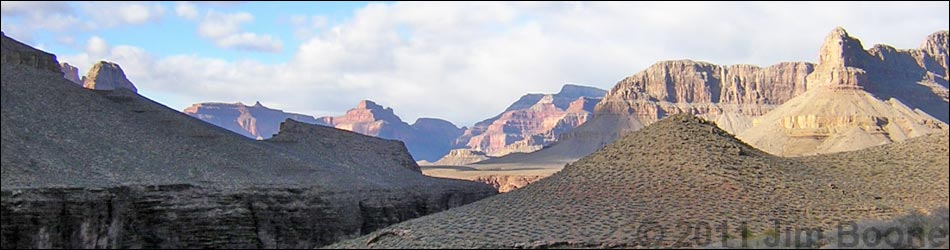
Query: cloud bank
(467, 61)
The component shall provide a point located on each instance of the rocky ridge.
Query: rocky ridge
(427, 139)
(255, 122)
(112, 169)
(532, 122)
(684, 171)
(737, 97)
(71, 73)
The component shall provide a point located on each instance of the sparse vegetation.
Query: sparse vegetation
(913, 231)
(640, 191)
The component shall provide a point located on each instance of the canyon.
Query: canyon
(113, 169)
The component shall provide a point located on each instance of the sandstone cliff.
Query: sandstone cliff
(532, 122)
(731, 96)
(705, 89)
(71, 73)
(427, 139)
(913, 83)
(107, 76)
(112, 169)
(858, 99)
(255, 122)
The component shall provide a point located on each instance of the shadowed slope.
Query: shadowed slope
(112, 169)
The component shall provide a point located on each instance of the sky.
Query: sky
(459, 61)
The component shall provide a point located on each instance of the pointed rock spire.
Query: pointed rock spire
(842, 62)
(842, 50)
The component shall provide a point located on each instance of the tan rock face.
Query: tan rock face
(735, 96)
(745, 89)
(255, 122)
(858, 99)
(107, 76)
(71, 73)
(427, 139)
(532, 122)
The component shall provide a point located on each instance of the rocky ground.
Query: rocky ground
(112, 169)
(684, 182)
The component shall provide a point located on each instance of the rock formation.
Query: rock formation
(461, 157)
(507, 183)
(534, 121)
(427, 139)
(678, 175)
(71, 73)
(735, 96)
(858, 99)
(107, 76)
(112, 169)
(726, 94)
(255, 122)
(22, 54)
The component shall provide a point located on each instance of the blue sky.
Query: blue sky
(170, 36)
(460, 61)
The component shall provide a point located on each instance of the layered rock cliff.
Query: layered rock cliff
(705, 89)
(532, 122)
(255, 122)
(107, 76)
(860, 98)
(913, 83)
(427, 139)
(731, 96)
(112, 169)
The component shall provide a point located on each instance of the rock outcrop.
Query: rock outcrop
(255, 122)
(112, 169)
(713, 91)
(71, 73)
(679, 174)
(17, 53)
(107, 76)
(734, 97)
(534, 121)
(508, 183)
(858, 99)
(461, 157)
(731, 96)
(427, 139)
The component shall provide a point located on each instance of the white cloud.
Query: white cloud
(27, 18)
(468, 61)
(186, 10)
(251, 42)
(29, 8)
(225, 31)
(218, 25)
(55, 16)
(97, 46)
(112, 14)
